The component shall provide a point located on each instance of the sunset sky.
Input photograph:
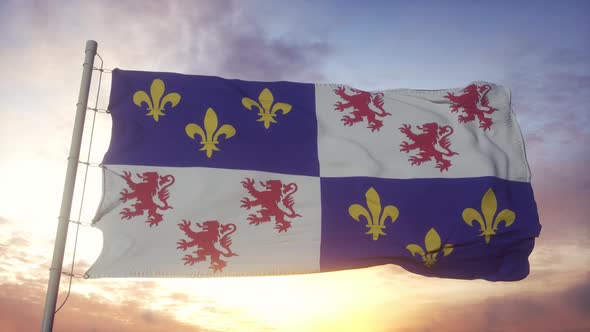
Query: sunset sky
(538, 49)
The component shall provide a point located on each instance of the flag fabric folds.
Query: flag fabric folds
(209, 177)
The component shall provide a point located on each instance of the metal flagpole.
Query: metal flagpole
(68, 194)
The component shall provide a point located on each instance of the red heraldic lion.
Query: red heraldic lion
(213, 241)
(361, 102)
(151, 195)
(474, 103)
(433, 142)
(276, 200)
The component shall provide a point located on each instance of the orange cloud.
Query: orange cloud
(21, 308)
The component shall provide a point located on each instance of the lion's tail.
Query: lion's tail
(378, 102)
(445, 143)
(485, 104)
(163, 193)
(288, 203)
(226, 241)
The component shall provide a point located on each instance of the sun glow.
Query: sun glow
(342, 301)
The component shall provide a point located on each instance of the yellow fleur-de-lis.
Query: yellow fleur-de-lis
(210, 136)
(432, 243)
(156, 104)
(375, 219)
(267, 114)
(487, 222)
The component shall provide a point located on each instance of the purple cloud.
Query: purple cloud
(552, 310)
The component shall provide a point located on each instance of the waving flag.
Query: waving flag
(207, 176)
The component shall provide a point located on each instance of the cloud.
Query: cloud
(19, 241)
(562, 190)
(202, 37)
(550, 95)
(579, 297)
(257, 58)
(21, 308)
(521, 311)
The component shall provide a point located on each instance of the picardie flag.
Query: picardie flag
(209, 177)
